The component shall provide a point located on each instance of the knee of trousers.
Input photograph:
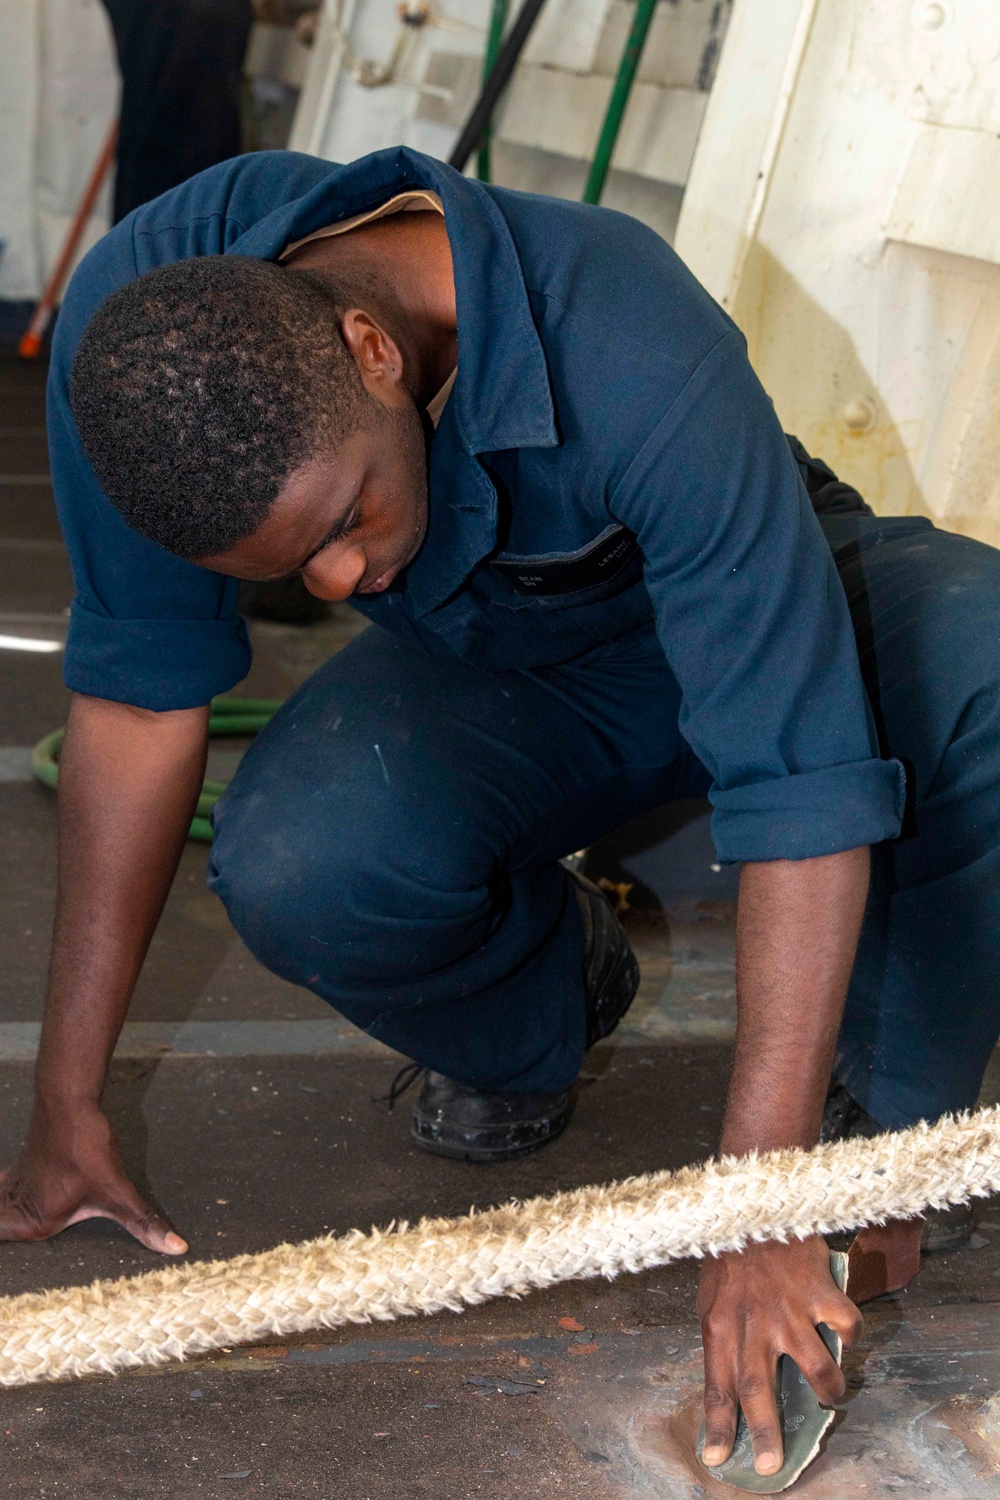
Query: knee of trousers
(346, 893)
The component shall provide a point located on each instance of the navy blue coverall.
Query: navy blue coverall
(625, 595)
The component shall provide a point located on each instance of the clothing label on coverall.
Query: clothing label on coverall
(567, 572)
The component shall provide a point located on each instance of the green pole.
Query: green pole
(498, 20)
(619, 98)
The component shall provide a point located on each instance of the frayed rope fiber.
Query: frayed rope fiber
(448, 1264)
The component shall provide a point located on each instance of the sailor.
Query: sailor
(517, 435)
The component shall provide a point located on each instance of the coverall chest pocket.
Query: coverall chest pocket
(609, 564)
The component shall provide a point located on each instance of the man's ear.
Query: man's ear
(377, 356)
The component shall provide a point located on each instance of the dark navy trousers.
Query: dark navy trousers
(391, 839)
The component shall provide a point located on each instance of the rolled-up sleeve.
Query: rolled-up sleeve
(146, 628)
(154, 663)
(753, 619)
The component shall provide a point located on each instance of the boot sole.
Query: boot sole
(520, 1140)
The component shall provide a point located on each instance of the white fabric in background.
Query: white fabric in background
(58, 97)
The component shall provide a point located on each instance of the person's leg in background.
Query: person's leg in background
(180, 62)
(391, 842)
(923, 1012)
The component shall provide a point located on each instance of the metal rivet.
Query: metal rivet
(858, 413)
(930, 15)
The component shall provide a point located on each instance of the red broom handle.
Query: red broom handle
(31, 342)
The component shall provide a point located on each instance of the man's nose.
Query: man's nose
(334, 575)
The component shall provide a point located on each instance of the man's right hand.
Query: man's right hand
(71, 1169)
(128, 783)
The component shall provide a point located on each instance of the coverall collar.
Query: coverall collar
(502, 394)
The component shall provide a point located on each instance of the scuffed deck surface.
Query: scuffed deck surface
(276, 1137)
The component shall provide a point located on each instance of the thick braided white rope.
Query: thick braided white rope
(442, 1264)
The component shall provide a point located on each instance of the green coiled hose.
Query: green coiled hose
(228, 716)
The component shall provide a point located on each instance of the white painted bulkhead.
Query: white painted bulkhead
(844, 206)
(547, 125)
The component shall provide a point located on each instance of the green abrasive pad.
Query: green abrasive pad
(803, 1420)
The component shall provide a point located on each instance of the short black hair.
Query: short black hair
(198, 388)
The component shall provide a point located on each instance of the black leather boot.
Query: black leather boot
(454, 1120)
